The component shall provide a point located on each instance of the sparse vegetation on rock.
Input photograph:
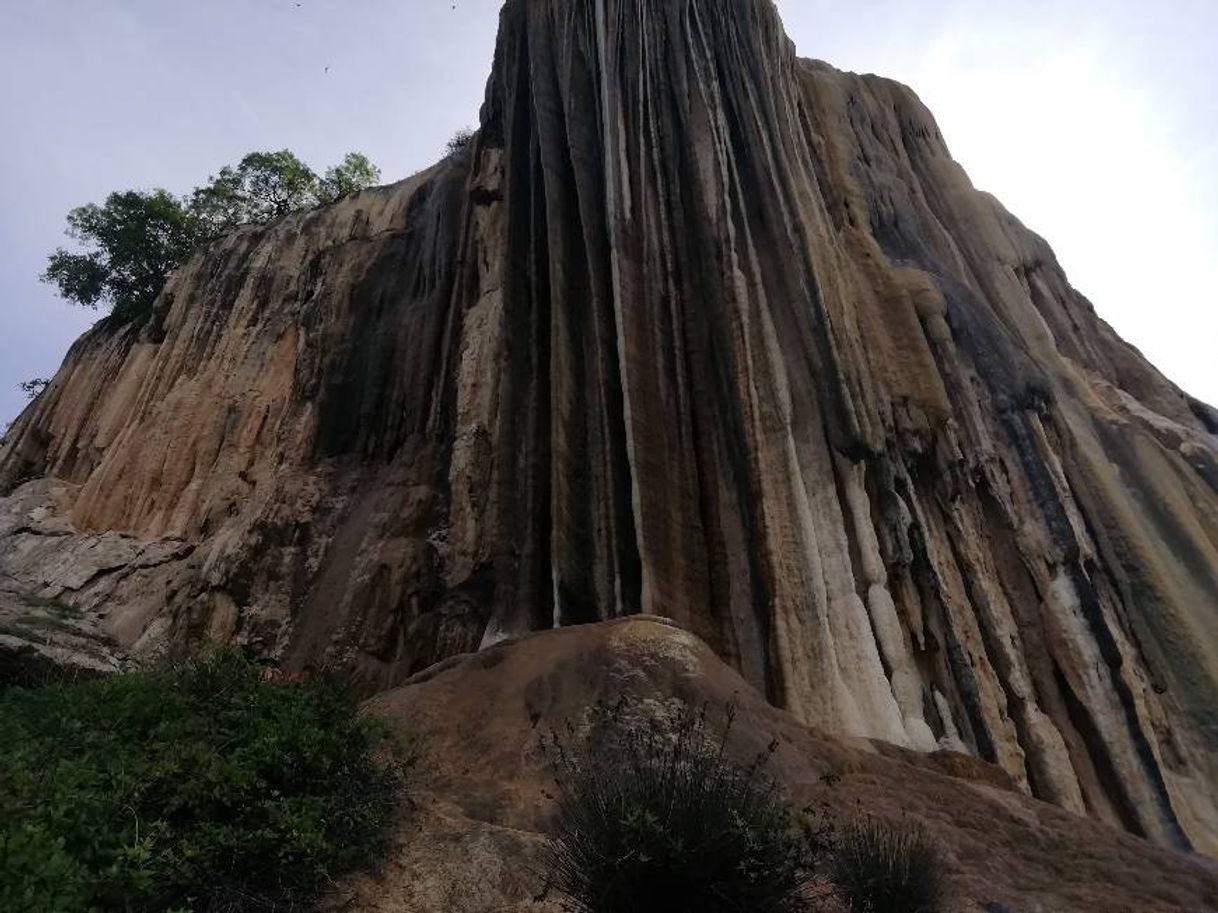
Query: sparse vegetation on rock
(653, 815)
(33, 386)
(202, 787)
(459, 141)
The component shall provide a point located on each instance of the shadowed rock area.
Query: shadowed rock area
(694, 328)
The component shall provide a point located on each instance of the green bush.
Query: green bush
(884, 868)
(202, 787)
(652, 815)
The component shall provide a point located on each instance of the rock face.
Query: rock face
(695, 328)
(481, 796)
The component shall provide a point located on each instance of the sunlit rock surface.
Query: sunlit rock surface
(696, 328)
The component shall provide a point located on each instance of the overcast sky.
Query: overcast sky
(1095, 121)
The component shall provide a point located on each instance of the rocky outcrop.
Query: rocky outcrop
(481, 796)
(57, 587)
(696, 328)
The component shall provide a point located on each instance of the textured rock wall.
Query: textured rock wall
(696, 328)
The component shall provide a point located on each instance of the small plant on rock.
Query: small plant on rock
(879, 867)
(31, 388)
(653, 815)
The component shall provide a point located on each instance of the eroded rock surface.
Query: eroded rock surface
(696, 328)
(57, 587)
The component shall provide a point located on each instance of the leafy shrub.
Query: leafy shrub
(652, 815)
(202, 787)
(883, 868)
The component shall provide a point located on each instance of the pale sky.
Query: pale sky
(1094, 121)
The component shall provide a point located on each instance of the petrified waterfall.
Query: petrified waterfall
(695, 328)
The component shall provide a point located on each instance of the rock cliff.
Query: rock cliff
(696, 328)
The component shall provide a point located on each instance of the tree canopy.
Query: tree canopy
(354, 172)
(136, 238)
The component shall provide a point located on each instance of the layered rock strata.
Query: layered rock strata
(696, 328)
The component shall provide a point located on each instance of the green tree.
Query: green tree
(262, 187)
(353, 173)
(136, 239)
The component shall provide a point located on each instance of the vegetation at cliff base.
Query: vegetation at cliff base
(653, 815)
(202, 787)
(130, 243)
(879, 867)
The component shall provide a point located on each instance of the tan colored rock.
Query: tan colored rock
(694, 328)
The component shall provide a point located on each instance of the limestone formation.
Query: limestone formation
(693, 327)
